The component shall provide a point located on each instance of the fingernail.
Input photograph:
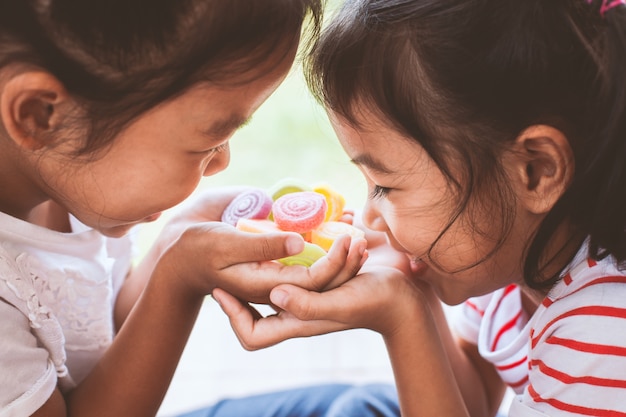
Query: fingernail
(294, 244)
(362, 248)
(217, 299)
(279, 297)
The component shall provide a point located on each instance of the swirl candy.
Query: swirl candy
(328, 232)
(300, 212)
(251, 204)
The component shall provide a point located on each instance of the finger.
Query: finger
(347, 217)
(344, 260)
(240, 247)
(259, 333)
(310, 305)
(241, 315)
(357, 255)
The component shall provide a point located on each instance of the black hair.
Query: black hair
(465, 77)
(119, 58)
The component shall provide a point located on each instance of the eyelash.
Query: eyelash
(379, 192)
(217, 149)
(220, 148)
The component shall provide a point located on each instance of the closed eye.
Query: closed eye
(217, 149)
(220, 148)
(379, 192)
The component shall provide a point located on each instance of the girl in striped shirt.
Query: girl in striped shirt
(492, 136)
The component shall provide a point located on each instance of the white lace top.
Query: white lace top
(57, 292)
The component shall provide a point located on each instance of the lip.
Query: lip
(417, 265)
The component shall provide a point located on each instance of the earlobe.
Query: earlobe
(544, 166)
(29, 104)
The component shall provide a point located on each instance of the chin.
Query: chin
(116, 231)
(450, 298)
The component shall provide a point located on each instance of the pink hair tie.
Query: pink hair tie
(608, 5)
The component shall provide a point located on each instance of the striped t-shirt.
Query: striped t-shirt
(569, 358)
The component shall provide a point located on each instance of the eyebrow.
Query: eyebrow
(227, 126)
(371, 163)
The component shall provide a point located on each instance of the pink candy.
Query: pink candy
(300, 212)
(251, 204)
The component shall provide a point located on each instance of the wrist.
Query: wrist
(173, 270)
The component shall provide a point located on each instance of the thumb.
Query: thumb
(252, 247)
(303, 304)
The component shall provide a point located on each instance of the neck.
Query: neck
(20, 195)
(564, 245)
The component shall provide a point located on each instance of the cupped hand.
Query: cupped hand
(211, 254)
(376, 300)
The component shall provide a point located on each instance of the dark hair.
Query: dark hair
(466, 77)
(119, 58)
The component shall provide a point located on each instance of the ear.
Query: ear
(543, 167)
(29, 107)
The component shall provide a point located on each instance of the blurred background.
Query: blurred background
(289, 136)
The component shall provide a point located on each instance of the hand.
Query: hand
(210, 255)
(381, 253)
(376, 299)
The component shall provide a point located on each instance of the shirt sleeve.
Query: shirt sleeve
(577, 358)
(27, 375)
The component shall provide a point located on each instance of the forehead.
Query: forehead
(376, 146)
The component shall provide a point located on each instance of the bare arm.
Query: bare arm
(204, 207)
(135, 372)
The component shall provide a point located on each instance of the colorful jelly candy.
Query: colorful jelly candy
(257, 226)
(328, 232)
(307, 257)
(250, 204)
(335, 201)
(311, 211)
(300, 212)
(286, 186)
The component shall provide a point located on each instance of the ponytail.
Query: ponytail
(607, 169)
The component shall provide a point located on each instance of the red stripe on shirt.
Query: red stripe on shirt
(582, 311)
(508, 290)
(567, 279)
(475, 308)
(591, 262)
(587, 347)
(512, 365)
(617, 279)
(573, 408)
(519, 383)
(507, 326)
(570, 379)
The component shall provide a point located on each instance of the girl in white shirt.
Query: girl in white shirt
(110, 113)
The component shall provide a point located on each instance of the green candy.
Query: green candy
(307, 257)
(286, 186)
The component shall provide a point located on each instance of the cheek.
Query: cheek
(463, 247)
(414, 230)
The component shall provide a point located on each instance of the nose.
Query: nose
(219, 161)
(372, 218)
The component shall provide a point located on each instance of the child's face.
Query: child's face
(411, 202)
(159, 159)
